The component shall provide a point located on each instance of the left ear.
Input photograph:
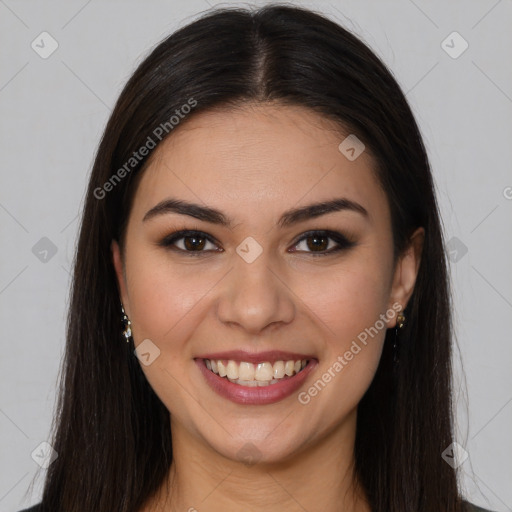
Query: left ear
(121, 282)
(406, 271)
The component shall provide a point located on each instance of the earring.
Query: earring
(127, 331)
(400, 323)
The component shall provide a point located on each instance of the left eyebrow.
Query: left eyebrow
(289, 218)
(314, 210)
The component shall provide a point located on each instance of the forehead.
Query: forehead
(256, 159)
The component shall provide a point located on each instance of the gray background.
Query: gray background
(53, 112)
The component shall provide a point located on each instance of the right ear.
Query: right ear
(121, 281)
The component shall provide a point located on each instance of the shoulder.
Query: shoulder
(473, 508)
(35, 508)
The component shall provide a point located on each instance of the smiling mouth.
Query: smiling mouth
(255, 375)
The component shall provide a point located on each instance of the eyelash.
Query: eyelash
(343, 242)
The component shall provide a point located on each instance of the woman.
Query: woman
(260, 312)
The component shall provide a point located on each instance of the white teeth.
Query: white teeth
(248, 383)
(278, 370)
(222, 369)
(251, 375)
(264, 372)
(246, 371)
(232, 370)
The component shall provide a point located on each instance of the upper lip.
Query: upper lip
(255, 357)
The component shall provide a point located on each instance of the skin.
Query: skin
(253, 163)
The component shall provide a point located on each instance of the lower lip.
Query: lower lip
(260, 395)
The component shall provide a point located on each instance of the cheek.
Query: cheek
(165, 307)
(354, 336)
(348, 304)
(347, 299)
(164, 297)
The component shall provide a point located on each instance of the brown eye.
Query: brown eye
(194, 242)
(189, 242)
(317, 243)
(320, 242)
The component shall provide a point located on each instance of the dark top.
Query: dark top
(469, 508)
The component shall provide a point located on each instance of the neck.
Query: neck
(320, 477)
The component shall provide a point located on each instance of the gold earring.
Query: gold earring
(400, 320)
(127, 331)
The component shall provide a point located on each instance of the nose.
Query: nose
(254, 295)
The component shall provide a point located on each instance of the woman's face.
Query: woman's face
(259, 289)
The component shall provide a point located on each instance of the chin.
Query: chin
(259, 450)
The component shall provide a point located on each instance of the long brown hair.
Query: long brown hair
(110, 430)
